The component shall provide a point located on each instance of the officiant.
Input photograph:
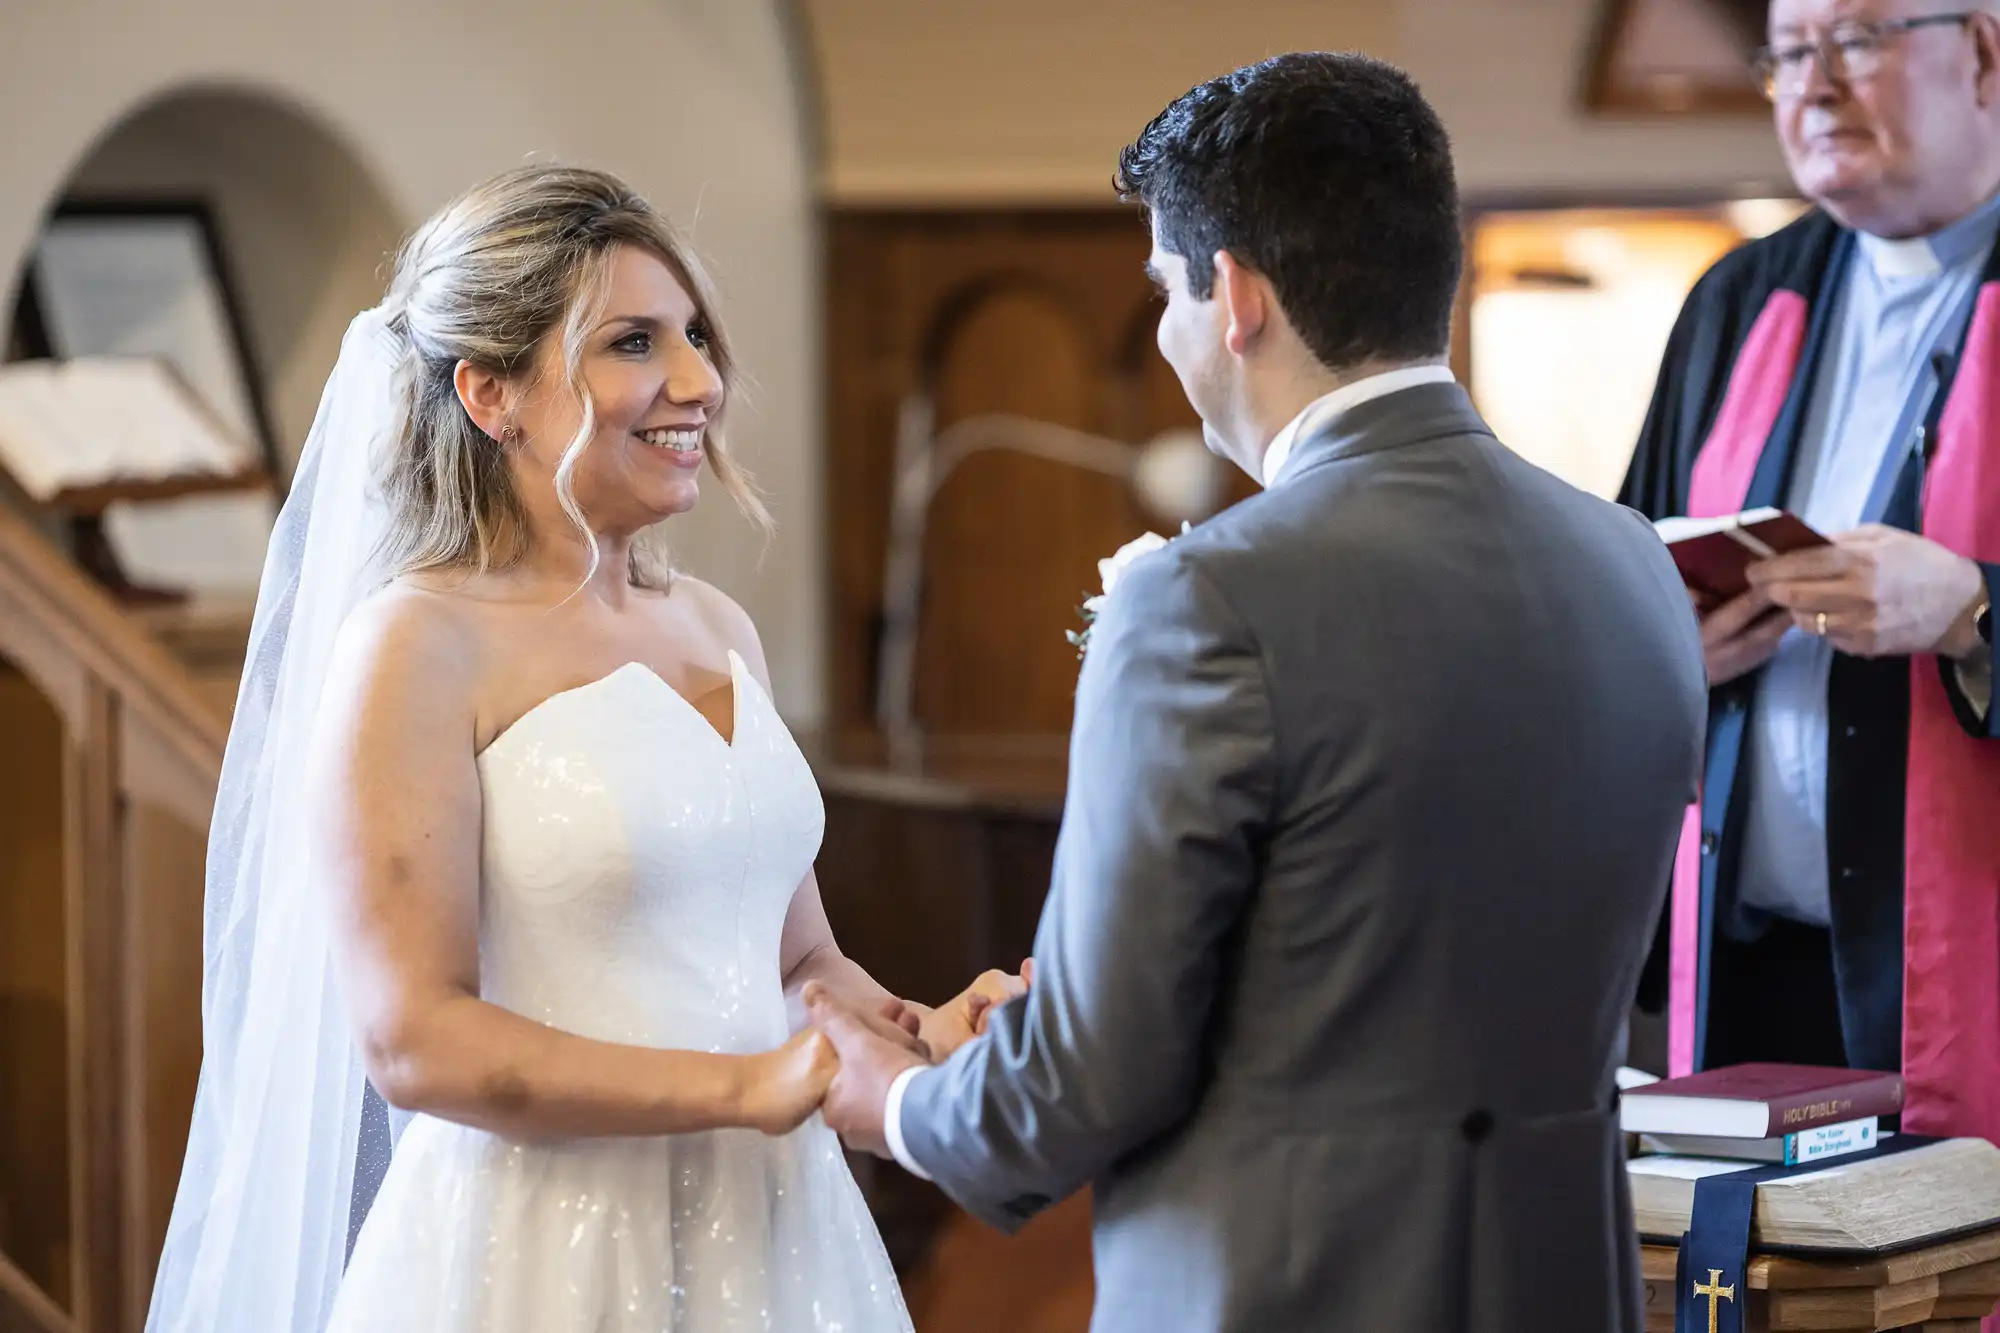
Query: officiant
(1837, 894)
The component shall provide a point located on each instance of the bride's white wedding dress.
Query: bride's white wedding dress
(636, 870)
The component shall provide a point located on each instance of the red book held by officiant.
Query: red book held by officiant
(1713, 554)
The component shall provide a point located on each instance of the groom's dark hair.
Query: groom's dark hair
(1329, 174)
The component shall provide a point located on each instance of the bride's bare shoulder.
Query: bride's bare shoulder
(411, 642)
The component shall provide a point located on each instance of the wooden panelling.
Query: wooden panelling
(928, 879)
(1037, 1281)
(1013, 540)
(97, 935)
(34, 1091)
(165, 856)
(107, 776)
(1046, 314)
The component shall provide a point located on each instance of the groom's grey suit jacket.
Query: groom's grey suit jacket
(1374, 789)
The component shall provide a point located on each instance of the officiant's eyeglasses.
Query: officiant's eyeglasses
(1846, 52)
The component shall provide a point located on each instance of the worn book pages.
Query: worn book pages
(65, 425)
(1873, 1204)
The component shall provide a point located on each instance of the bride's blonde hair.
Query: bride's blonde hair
(498, 271)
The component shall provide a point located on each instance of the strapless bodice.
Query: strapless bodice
(637, 867)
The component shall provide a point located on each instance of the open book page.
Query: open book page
(65, 425)
(1673, 530)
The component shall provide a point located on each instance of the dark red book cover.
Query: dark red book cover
(1761, 1100)
(1714, 563)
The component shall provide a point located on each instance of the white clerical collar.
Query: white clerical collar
(1909, 258)
(1347, 396)
(1957, 243)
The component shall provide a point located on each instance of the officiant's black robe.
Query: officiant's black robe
(1723, 329)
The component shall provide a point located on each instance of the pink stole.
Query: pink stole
(1951, 927)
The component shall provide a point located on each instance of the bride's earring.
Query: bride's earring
(506, 435)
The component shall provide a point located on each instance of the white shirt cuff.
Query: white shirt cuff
(1975, 678)
(892, 1122)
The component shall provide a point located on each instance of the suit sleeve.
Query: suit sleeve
(1171, 785)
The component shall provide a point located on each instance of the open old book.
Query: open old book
(1868, 1205)
(162, 496)
(74, 428)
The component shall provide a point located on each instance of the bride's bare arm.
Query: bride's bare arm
(397, 827)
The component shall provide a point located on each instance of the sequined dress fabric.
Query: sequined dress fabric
(636, 871)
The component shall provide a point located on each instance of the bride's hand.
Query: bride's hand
(963, 1017)
(785, 1086)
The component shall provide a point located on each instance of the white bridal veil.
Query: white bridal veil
(281, 1158)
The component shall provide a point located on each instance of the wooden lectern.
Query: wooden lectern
(1943, 1288)
(78, 437)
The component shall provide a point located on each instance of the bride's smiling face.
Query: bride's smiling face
(646, 366)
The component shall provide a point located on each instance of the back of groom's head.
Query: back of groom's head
(1329, 174)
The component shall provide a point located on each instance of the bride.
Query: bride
(510, 894)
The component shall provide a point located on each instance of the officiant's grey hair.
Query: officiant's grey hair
(490, 279)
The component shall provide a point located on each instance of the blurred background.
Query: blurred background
(956, 407)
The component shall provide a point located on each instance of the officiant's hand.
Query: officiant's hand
(1883, 592)
(859, 1093)
(1739, 635)
(963, 1017)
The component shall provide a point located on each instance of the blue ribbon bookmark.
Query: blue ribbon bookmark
(1710, 1286)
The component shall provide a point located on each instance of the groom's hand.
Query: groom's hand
(964, 1016)
(869, 1063)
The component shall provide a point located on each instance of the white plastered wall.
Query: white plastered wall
(698, 102)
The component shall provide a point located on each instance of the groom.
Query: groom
(1374, 788)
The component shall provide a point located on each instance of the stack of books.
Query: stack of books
(1783, 1114)
(1746, 1116)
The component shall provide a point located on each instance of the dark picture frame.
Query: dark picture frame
(1624, 78)
(148, 277)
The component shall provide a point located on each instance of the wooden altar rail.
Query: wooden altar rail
(138, 741)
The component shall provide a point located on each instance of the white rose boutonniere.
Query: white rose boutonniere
(1109, 571)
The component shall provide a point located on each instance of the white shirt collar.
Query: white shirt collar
(1911, 258)
(1347, 396)
(1963, 242)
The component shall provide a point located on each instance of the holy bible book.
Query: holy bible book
(1758, 1101)
(1713, 554)
(1861, 1204)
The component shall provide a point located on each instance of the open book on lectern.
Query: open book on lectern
(98, 424)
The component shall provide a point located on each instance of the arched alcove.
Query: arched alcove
(306, 231)
(301, 234)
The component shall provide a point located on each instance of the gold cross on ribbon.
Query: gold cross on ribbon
(1714, 1291)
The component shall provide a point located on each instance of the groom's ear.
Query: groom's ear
(1245, 298)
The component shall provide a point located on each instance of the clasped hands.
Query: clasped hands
(1875, 592)
(854, 1054)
